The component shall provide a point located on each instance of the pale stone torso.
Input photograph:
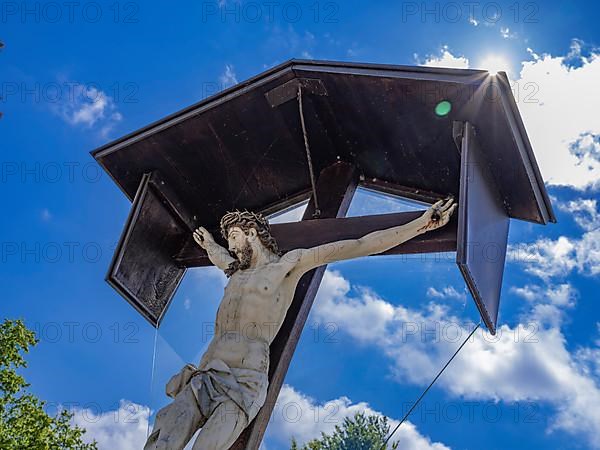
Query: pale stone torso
(251, 312)
(253, 308)
(256, 300)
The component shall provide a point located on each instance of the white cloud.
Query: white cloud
(590, 357)
(557, 98)
(558, 106)
(446, 59)
(549, 303)
(228, 77)
(507, 34)
(89, 112)
(294, 415)
(563, 295)
(548, 258)
(212, 275)
(121, 429)
(527, 362)
(89, 106)
(580, 52)
(446, 292)
(587, 253)
(365, 318)
(297, 415)
(584, 211)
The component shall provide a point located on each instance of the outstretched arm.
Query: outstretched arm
(379, 241)
(218, 255)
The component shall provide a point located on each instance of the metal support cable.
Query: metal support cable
(429, 387)
(317, 212)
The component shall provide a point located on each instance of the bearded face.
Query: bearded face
(244, 256)
(240, 248)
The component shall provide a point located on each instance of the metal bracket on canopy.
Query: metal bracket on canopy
(288, 91)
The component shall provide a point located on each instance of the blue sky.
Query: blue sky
(76, 77)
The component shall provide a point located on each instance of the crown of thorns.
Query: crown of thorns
(245, 220)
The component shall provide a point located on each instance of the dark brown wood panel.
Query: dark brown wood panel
(143, 269)
(482, 229)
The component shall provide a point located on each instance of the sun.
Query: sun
(494, 64)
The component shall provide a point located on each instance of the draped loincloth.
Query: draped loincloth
(216, 382)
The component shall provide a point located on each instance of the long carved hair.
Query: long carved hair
(246, 220)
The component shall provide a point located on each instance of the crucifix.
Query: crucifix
(427, 134)
(229, 386)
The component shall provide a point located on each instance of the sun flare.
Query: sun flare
(494, 64)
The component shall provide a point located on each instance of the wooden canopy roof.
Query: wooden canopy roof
(243, 148)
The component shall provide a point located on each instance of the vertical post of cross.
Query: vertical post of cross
(335, 188)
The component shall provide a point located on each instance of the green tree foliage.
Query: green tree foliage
(360, 432)
(23, 422)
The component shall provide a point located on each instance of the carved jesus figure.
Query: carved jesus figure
(227, 389)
